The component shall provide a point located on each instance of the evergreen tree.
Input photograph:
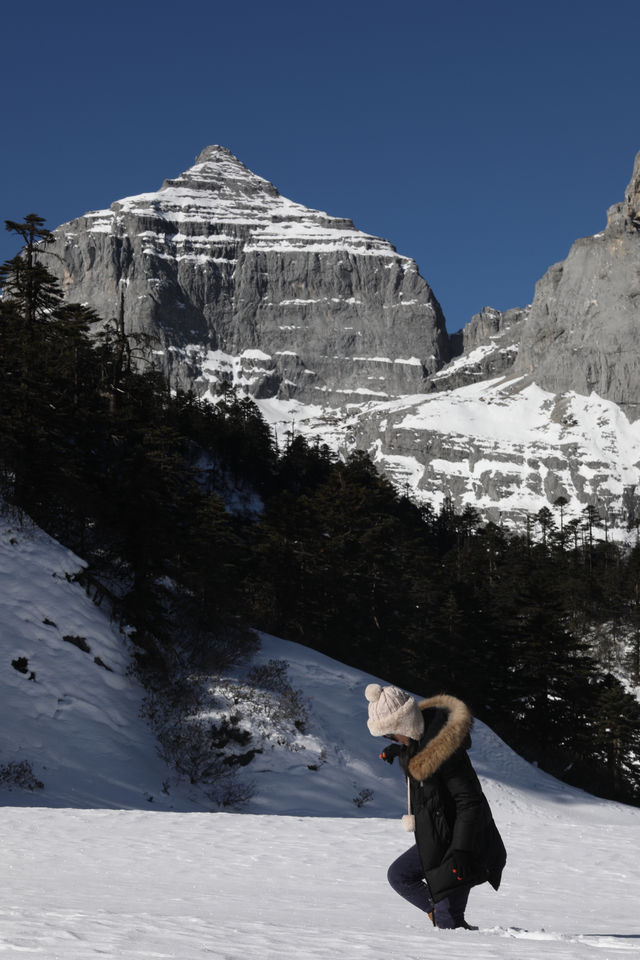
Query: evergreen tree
(45, 355)
(615, 740)
(26, 281)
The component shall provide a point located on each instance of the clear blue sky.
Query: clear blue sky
(480, 138)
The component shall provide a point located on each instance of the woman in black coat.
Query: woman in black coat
(457, 844)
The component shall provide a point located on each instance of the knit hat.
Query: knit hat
(391, 710)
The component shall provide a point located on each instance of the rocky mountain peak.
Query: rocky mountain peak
(215, 152)
(581, 331)
(632, 193)
(231, 281)
(217, 170)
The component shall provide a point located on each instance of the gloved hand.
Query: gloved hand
(391, 752)
(462, 864)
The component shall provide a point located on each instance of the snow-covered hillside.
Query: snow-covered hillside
(70, 707)
(156, 882)
(68, 704)
(503, 446)
(78, 722)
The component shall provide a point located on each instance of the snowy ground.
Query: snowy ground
(301, 873)
(128, 885)
(74, 719)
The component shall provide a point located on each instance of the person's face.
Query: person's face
(399, 738)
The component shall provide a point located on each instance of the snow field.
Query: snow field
(506, 428)
(127, 885)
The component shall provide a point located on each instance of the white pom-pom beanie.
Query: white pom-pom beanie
(391, 710)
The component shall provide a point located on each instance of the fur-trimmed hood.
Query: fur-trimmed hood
(449, 738)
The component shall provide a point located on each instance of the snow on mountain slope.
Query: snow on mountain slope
(77, 721)
(149, 882)
(216, 267)
(511, 447)
(219, 189)
(73, 713)
(503, 446)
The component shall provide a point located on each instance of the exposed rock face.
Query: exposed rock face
(582, 330)
(487, 347)
(508, 448)
(632, 193)
(232, 279)
(537, 404)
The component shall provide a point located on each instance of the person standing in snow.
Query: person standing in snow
(457, 844)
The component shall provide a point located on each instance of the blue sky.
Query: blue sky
(480, 138)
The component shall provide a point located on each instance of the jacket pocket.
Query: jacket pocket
(441, 827)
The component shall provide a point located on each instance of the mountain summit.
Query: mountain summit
(582, 329)
(233, 281)
(632, 194)
(216, 169)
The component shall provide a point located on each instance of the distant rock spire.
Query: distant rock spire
(582, 329)
(632, 193)
(216, 152)
(217, 169)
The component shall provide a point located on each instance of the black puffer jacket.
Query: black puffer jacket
(451, 811)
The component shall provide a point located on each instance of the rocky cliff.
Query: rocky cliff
(582, 331)
(234, 281)
(507, 447)
(539, 403)
(485, 348)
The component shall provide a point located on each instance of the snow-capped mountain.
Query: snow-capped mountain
(541, 403)
(582, 329)
(232, 280)
(338, 336)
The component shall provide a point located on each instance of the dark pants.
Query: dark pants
(406, 877)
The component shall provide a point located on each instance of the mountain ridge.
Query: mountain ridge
(331, 328)
(217, 260)
(581, 330)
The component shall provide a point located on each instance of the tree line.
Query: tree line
(140, 482)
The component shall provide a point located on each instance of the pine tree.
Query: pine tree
(45, 363)
(616, 738)
(26, 281)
